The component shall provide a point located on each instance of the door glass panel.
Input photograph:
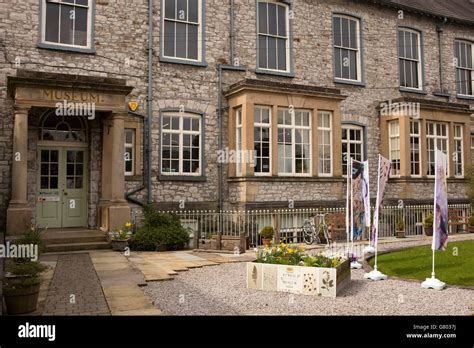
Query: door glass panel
(70, 169)
(53, 183)
(44, 182)
(70, 182)
(78, 182)
(53, 169)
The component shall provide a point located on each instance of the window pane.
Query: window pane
(345, 64)
(82, 2)
(282, 54)
(337, 31)
(272, 19)
(193, 10)
(401, 43)
(282, 21)
(352, 65)
(353, 34)
(80, 35)
(67, 24)
(414, 45)
(170, 9)
(169, 39)
(181, 40)
(192, 41)
(402, 73)
(182, 10)
(338, 61)
(262, 17)
(345, 32)
(52, 22)
(262, 52)
(272, 52)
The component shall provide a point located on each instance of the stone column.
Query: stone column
(19, 214)
(115, 211)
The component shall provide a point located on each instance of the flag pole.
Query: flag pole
(376, 274)
(433, 283)
(347, 204)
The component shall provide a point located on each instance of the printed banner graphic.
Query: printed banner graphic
(383, 174)
(440, 225)
(360, 191)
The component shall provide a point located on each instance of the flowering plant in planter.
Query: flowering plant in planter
(121, 237)
(294, 255)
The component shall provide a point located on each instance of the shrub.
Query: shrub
(401, 225)
(470, 221)
(159, 230)
(267, 232)
(428, 222)
(33, 236)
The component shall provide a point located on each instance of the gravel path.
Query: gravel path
(221, 290)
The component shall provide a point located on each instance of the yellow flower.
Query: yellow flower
(128, 225)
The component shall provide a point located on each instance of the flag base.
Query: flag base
(369, 249)
(356, 265)
(433, 283)
(375, 275)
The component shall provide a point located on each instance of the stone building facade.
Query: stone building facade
(297, 83)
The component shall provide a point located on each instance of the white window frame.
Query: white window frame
(200, 47)
(414, 135)
(419, 61)
(181, 132)
(329, 130)
(286, 38)
(350, 141)
(459, 157)
(390, 150)
(435, 138)
(61, 2)
(458, 67)
(238, 138)
(293, 128)
(358, 50)
(132, 147)
(269, 126)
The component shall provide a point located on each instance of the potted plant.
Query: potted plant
(121, 238)
(428, 225)
(22, 278)
(470, 222)
(22, 285)
(400, 231)
(267, 235)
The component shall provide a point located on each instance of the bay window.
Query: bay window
(324, 143)
(415, 151)
(436, 138)
(458, 151)
(394, 146)
(294, 144)
(262, 139)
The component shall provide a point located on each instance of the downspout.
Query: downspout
(128, 195)
(149, 121)
(231, 35)
(439, 30)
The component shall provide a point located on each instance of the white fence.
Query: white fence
(288, 222)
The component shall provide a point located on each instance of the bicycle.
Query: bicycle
(309, 230)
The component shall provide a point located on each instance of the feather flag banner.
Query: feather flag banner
(440, 220)
(383, 174)
(360, 198)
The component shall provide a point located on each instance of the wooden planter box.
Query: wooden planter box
(315, 281)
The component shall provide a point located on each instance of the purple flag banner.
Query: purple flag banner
(382, 177)
(440, 221)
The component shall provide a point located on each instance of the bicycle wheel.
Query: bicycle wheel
(308, 232)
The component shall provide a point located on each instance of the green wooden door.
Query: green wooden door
(62, 194)
(74, 188)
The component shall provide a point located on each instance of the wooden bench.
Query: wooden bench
(291, 234)
(456, 221)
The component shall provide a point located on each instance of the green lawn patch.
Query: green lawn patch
(415, 263)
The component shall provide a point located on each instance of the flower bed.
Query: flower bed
(287, 269)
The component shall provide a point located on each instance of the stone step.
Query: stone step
(71, 237)
(54, 248)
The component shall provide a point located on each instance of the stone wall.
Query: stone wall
(121, 40)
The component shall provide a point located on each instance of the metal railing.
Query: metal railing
(288, 222)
